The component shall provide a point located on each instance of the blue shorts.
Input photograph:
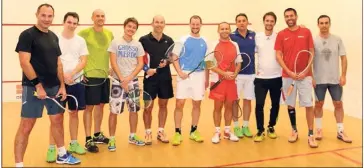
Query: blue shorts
(335, 91)
(78, 91)
(32, 107)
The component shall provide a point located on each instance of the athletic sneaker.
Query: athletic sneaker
(238, 132)
(177, 139)
(51, 155)
(195, 136)
(67, 159)
(311, 142)
(148, 138)
(259, 137)
(343, 137)
(101, 139)
(76, 148)
(318, 134)
(112, 146)
(91, 147)
(216, 138)
(271, 133)
(231, 136)
(136, 141)
(293, 137)
(161, 136)
(246, 132)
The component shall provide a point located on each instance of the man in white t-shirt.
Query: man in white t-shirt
(268, 77)
(74, 52)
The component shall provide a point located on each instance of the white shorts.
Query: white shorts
(245, 86)
(193, 87)
(304, 89)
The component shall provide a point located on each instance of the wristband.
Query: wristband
(145, 67)
(34, 81)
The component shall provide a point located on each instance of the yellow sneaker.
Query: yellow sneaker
(177, 139)
(271, 133)
(259, 137)
(195, 136)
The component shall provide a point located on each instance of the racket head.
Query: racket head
(140, 99)
(174, 52)
(247, 57)
(86, 77)
(213, 59)
(302, 61)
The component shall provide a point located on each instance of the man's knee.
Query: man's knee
(319, 104)
(338, 104)
(26, 125)
(180, 104)
(56, 119)
(163, 103)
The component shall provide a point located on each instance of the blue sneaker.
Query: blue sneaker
(67, 159)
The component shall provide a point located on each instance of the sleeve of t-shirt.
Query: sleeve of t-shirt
(24, 43)
(342, 50)
(113, 46)
(310, 39)
(237, 59)
(141, 52)
(83, 48)
(58, 50)
(278, 43)
(210, 48)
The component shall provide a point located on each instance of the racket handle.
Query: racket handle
(215, 85)
(290, 89)
(113, 79)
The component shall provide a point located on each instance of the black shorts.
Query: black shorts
(161, 88)
(78, 91)
(96, 95)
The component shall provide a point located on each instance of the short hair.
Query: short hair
(270, 14)
(323, 16)
(290, 9)
(195, 17)
(241, 14)
(223, 23)
(46, 5)
(73, 14)
(131, 19)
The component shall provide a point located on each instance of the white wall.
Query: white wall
(344, 15)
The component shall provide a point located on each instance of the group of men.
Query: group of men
(50, 61)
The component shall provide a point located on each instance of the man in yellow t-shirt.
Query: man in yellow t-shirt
(98, 40)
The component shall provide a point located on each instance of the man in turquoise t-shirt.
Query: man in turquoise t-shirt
(98, 40)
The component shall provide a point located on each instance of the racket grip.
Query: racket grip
(290, 89)
(215, 85)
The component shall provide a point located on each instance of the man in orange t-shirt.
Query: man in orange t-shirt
(289, 43)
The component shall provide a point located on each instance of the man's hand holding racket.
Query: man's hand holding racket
(41, 92)
(61, 91)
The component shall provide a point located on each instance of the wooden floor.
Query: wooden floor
(278, 152)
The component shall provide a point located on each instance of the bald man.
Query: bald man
(159, 82)
(98, 40)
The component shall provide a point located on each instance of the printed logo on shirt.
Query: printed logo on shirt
(301, 36)
(127, 51)
(286, 38)
(250, 37)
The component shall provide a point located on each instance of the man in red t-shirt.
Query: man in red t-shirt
(225, 93)
(289, 43)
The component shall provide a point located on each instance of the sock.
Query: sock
(148, 131)
(292, 118)
(310, 132)
(178, 130)
(217, 129)
(96, 134)
(245, 123)
(88, 138)
(318, 123)
(193, 128)
(236, 123)
(227, 129)
(112, 137)
(340, 127)
(160, 129)
(52, 146)
(20, 164)
(132, 135)
(62, 151)
(73, 141)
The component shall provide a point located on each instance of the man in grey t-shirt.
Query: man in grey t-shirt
(329, 49)
(126, 57)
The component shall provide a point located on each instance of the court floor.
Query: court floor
(278, 152)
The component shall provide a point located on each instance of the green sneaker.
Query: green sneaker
(177, 139)
(238, 132)
(246, 132)
(136, 140)
(51, 155)
(195, 136)
(76, 148)
(112, 146)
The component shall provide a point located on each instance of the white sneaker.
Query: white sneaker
(216, 138)
(231, 136)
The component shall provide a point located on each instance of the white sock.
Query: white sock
(132, 134)
(148, 131)
(236, 123)
(20, 164)
(112, 137)
(62, 151)
(217, 129)
(160, 129)
(318, 123)
(73, 141)
(340, 127)
(52, 147)
(245, 123)
(227, 129)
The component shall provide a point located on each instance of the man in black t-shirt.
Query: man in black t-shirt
(39, 53)
(159, 82)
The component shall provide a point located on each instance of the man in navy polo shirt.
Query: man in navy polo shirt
(245, 80)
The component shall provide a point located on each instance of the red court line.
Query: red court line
(114, 24)
(11, 81)
(348, 158)
(285, 157)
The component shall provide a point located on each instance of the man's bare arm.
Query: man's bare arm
(60, 72)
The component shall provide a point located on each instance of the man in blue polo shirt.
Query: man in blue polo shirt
(245, 80)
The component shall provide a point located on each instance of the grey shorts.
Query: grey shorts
(304, 89)
(335, 91)
(32, 107)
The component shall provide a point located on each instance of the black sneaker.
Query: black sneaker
(271, 133)
(91, 147)
(101, 139)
